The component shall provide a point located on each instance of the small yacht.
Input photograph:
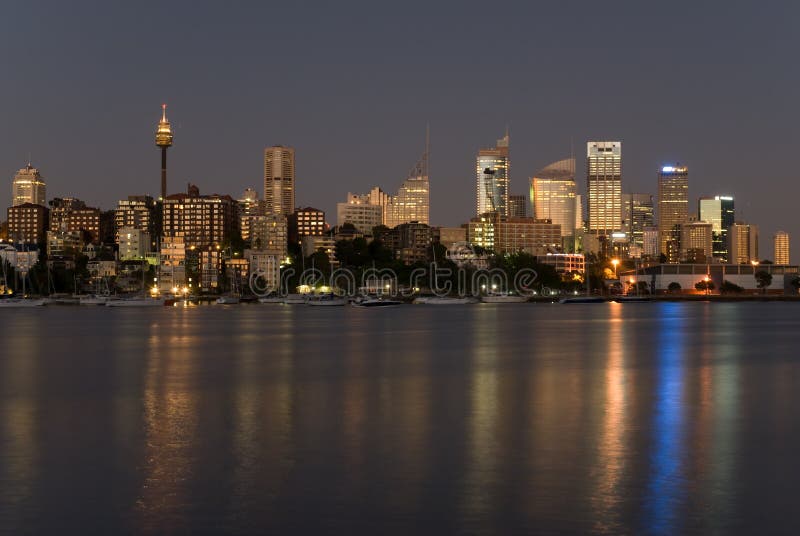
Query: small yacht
(503, 297)
(294, 299)
(328, 299)
(96, 299)
(139, 302)
(229, 299)
(375, 301)
(272, 298)
(583, 299)
(21, 302)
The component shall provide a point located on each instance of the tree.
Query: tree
(763, 280)
(674, 287)
(795, 282)
(704, 286)
(730, 288)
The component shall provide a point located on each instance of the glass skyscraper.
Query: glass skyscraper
(604, 185)
(638, 212)
(719, 212)
(492, 168)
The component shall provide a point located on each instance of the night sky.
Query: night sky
(713, 85)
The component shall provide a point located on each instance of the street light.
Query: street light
(706, 280)
(615, 262)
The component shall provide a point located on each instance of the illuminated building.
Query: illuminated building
(564, 263)
(164, 141)
(604, 186)
(28, 187)
(248, 207)
(650, 244)
(637, 213)
(199, 220)
(492, 169)
(279, 180)
(719, 211)
(326, 244)
(696, 241)
(781, 242)
(270, 234)
(413, 241)
(673, 208)
(359, 212)
(743, 243)
(27, 223)
(553, 196)
(137, 212)
(133, 243)
(511, 235)
(71, 215)
(306, 221)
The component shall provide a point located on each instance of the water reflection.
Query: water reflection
(666, 486)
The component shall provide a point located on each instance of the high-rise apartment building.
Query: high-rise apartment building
(306, 221)
(696, 241)
(604, 186)
(28, 187)
(781, 241)
(198, 220)
(279, 180)
(72, 216)
(136, 212)
(493, 169)
(673, 208)
(719, 212)
(553, 195)
(743, 243)
(511, 235)
(270, 234)
(27, 223)
(637, 213)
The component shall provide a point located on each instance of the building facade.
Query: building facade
(493, 170)
(137, 212)
(696, 242)
(638, 212)
(306, 221)
(270, 235)
(134, 244)
(71, 215)
(279, 180)
(358, 211)
(673, 208)
(518, 206)
(604, 186)
(247, 208)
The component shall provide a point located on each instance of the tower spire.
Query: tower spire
(164, 113)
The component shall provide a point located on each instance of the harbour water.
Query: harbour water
(645, 418)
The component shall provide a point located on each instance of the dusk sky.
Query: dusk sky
(712, 85)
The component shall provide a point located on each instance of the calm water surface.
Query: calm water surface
(636, 418)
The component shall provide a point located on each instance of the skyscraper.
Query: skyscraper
(781, 247)
(604, 185)
(492, 169)
(743, 243)
(164, 141)
(28, 187)
(673, 208)
(637, 213)
(719, 212)
(552, 195)
(412, 202)
(279, 180)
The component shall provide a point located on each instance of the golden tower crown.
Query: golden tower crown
(164, 132)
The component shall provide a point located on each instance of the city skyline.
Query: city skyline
(222, 130)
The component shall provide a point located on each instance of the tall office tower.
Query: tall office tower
(164, 141)
(493, 169)
(673, 208)
(412, 202)
(518, 206)
(28, 187)
(696, 241)
(743, 243)
(718, 211)
(247, 208)
(604, 186)
(552, 195)
(781, 247)
(279, 180)
(637, 213)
